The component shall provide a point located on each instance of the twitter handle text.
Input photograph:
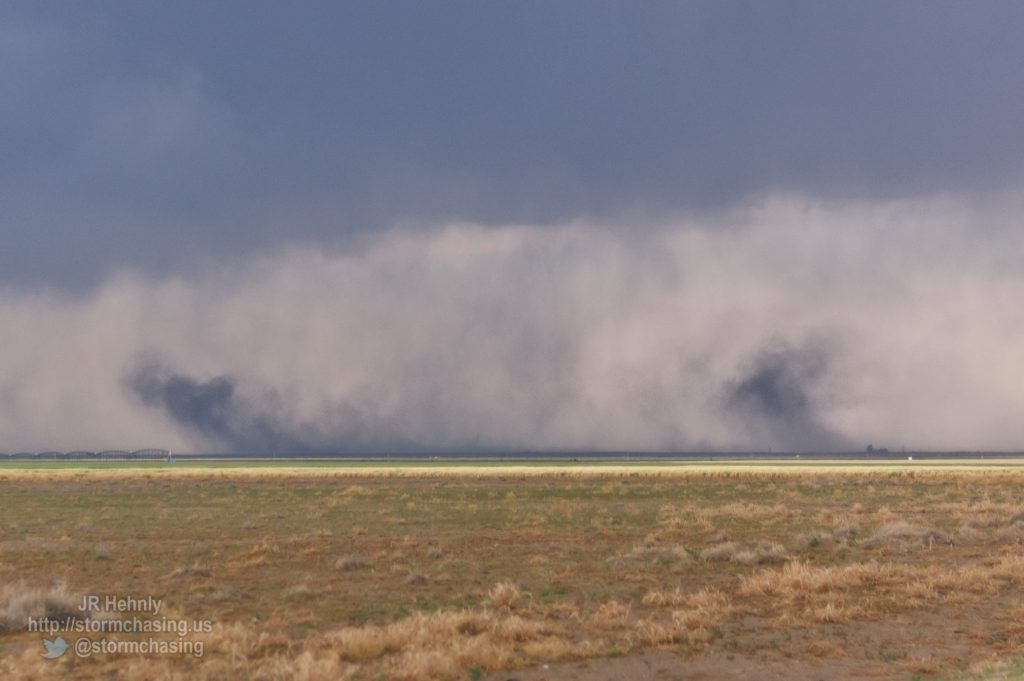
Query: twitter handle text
(87, 647)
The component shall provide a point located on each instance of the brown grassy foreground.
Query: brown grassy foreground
(883, 574)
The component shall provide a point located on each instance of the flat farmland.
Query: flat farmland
(314, 571)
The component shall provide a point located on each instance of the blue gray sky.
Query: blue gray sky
(401, 225)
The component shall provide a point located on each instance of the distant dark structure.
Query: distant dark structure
(81, 455)
(881, 450)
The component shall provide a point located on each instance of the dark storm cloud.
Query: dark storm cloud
(205, 406)
(161, 135)
(778, 397)
(213, 409)
(816, 327)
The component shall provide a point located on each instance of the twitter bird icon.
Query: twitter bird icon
(54, 648)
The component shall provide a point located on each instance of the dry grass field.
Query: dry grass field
(727, 571)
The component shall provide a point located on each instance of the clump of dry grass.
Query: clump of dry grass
(1013, 624)
(435, 553)
(825, 649)
(1011, 534)
(706, 598)
(797, 580)
(986, 520)
(684, 626)
(751, 511)
(440, 645)
(302, 590)
(823, 590)
(761, 553)
(807, 541)
(693, 619)
(720, 553)
(845, 532)
(652, 551)
(659, 597)
(835, 613)
(902, 531)
(264, 547)
(349, 563)
(224, 593)
(199, 548)
(610, 615)
(718, 538)
(19, 602)
(195, 570)
(969, 533)
(239, 651)
(416, 579)
(922, 664)
(356, 491)
(504, 595)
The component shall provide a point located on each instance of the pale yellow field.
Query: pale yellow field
(326, 468)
